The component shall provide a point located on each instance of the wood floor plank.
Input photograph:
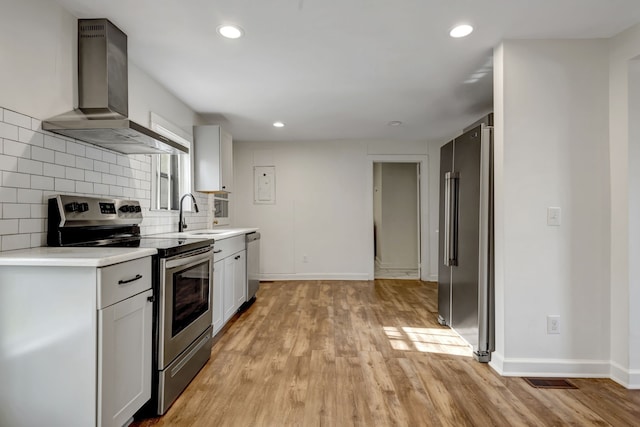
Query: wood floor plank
(369, 353)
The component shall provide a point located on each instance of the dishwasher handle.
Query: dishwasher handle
(252, 237)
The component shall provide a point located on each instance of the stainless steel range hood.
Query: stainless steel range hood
(103, 98)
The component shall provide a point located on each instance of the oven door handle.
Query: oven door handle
(189, 259)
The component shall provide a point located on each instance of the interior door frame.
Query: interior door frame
(423, 205)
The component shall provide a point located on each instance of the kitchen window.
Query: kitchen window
(170, 173)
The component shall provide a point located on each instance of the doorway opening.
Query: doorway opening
(396, 220)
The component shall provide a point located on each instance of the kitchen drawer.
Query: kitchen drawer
(228, 247)
(120, 281)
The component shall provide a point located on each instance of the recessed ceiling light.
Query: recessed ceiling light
(230, 31)
(461, 31)
(278, 125)
(395, 123)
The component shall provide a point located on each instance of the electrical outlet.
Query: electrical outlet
(554, 216)
(553, 324)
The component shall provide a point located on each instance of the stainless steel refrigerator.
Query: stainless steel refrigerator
(465, 274)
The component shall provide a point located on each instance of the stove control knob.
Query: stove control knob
(124, 208)
(138, 209)
(132, 208)
(83, 207)
(72, 207)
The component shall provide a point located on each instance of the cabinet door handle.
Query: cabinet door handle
(151, 298)
(123, 282)
(237, 257)
(218, 251)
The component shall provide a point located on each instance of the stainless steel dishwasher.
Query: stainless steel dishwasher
(253, 267)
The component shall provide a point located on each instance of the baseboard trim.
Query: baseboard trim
(314, 276)
(629, 378)
(515, 367)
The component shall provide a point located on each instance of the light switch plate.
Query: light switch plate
(553, 216)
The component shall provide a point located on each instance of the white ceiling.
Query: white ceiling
(341, 69)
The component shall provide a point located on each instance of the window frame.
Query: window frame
(181, 164)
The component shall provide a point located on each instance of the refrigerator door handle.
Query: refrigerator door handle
(447, 218)
(453, 221)
(450, 218)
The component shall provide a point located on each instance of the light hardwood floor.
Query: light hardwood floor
(342, 353)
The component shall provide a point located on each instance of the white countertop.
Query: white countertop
(72, 256)
(212, 233)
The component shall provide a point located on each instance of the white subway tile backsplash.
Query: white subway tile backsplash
(93, 153)
(31, 226)
(146, 167)
(15, 179)
(30, 166)
(30, 196)
(116, 191)
(30, 137)
(42, 182)
(75, 149)
(122, 181)
(109, 179)
(16, 241)
(116, 170)
(16, 210)
(17, 119)
(42, 154)
(73, 173)
(84, 187)
(8, 163)
(54, 171)
(124, 161)
(65, 159)
(38, 239)
(109, 157)
(9, 195)
(38, 210)
(84, 163)
(64, 185)
(15, 148)
(135, 165)
(54, 143)
(92, 176)
(8, 131)
(101, 189)
(99, 166)
(36, 124)
(8, 226)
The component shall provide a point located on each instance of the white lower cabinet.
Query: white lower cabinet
(228, 297)
(230, 279)
(240, 278)
(75, 343)
(124, 358)
(218, 285)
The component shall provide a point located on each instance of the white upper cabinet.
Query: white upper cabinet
(212, 159)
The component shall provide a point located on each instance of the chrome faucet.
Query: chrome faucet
(181, 224)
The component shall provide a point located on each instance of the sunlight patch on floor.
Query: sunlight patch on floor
(427, 340)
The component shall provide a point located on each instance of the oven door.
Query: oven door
(185, 302)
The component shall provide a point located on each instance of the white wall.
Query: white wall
(398, 231)
(625, 224)
(323, 200)
(38, 81)
(552, 150)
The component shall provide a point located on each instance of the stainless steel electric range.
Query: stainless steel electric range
(182, 283)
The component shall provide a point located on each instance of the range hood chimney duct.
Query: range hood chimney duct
(103, 98)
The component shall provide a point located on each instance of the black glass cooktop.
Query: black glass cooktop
(169, 246)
